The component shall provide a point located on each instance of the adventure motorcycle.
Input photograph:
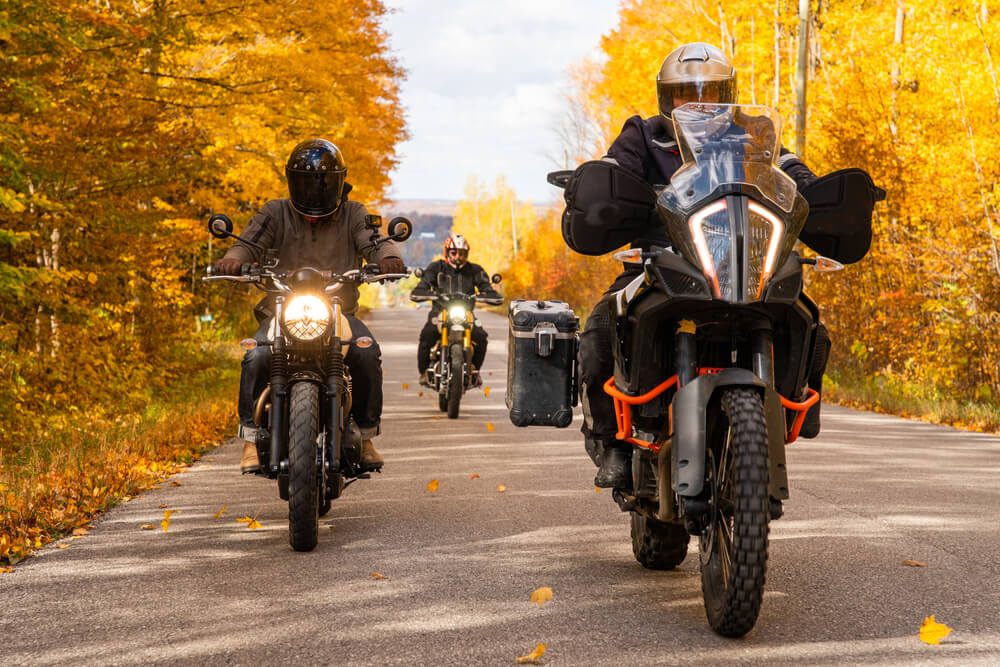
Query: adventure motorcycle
(714, 339)
(306, 437)
(451, 372)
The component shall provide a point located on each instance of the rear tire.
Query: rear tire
(733, 547)
(304, 492)
(456, 382)
(658, 545)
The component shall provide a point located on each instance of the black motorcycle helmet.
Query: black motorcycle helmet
(315, 173)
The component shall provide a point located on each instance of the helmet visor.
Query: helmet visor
(458, 256)
(315, 193)
(672, 95)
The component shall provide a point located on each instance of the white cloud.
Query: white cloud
(484, 88)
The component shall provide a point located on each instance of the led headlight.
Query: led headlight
(306, 318)
(457, 314)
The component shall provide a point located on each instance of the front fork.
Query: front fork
(335, 392)
(279, 394)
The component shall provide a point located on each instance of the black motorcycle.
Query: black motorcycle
(306, 438)
(714, 337)
(450, 372)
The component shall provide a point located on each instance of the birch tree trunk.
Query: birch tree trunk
(801, 79)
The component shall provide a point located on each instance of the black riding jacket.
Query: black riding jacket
(646, 148)
(470, 279)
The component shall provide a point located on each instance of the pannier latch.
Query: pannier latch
(545, 338)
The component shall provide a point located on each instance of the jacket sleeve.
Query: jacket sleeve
(427, 286)
(792, 164)
(260, 230)
(485, 288)
(629, 147)
(364, 237)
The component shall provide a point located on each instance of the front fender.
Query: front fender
(690, 428)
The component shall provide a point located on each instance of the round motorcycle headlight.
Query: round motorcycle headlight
(306, 318)
(457, 313)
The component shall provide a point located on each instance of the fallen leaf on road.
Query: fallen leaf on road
(82, 530)
(38, 542)
(406, 386)
(156, 487)
(501, 488)
(533, 657)
(433, 486)
(474, 475)
(542, 595)
(486, 392)
(148, 526)
(914, 563)
(163, 507)
(165, 524)
(6, 570)
(489, 427)
(436, 417)
(376, 575)
(219, 513)
(251, 522)
(420, 393)
(176, 483)
(77, 537)
(66, 546)
(932, 632)
(597, 489)
(491, 373)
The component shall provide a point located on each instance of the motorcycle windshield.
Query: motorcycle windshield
(729, 209)
(730, 144)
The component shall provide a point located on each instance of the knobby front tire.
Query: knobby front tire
(733, 548)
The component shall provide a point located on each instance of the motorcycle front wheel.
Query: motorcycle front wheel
(455, 380)
(304, 492)
(733, 545)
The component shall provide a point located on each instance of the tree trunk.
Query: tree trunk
(801, 79)
(777, 54)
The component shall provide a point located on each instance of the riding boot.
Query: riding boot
(249, 462)
(370, 458)
(616, 467)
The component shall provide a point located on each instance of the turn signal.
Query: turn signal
(248, 343)
(631, 256)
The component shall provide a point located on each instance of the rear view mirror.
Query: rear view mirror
(373, 221)
(496, 278)
(220, 226)
(400, 229)
(419, 273)
(559, 178)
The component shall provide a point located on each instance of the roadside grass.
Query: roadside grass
(887, 395)
(49, 488)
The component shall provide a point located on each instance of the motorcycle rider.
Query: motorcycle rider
(695, 72)
(465, 278)
(316, 226)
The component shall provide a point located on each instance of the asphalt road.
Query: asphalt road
(460, 563)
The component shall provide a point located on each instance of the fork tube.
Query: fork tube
(279, 378)
(763, 353)
(686, 357)
(334, 391)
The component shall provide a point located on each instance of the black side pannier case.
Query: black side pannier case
(541, 363)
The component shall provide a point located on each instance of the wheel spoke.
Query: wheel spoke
(725, 541)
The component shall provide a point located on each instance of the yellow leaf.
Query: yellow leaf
(219, 513)
(176, 483)
(148, 526)
(420, 393)
(489, 427)
(541, 595)
(533, 656)
(66, 546)
(433, 486)
(406, 386)
(253, 525)
(474, 475)
(914, 563)
(597, 489)
(501, 488)
(376, 575)
(92, 278)
(38, 542)
(486, 392)
(165, 524)
(6, 570)
(163, 507)
(932, 632)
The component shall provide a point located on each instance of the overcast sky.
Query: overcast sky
(483, 89)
